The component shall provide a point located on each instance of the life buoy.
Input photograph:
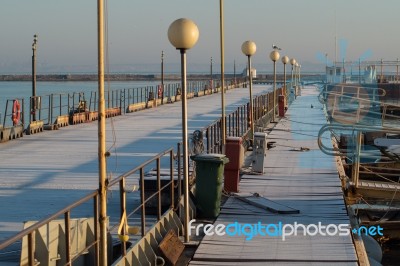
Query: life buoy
(16, 112)
(160, 91)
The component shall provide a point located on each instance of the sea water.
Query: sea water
(10, 90)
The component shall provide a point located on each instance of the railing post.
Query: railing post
(122, 200)
(158, 190)
(237, 123)
(31, 249)
(67, 238)
(50, 113)
(171, 172)
(356, 159)
(60, 105)
(142, 199)
(96, 229)
(208, 136)
(179, 170)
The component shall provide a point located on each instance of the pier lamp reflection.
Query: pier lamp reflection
(183, 35)
(274, 56)
(249, 48)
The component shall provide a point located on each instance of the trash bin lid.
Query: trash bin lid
(210, 157)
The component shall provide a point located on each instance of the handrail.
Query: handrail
(238, 121)
(358, 106)
(94, 195)
(46, 220)
(28, 232)
(354, 129)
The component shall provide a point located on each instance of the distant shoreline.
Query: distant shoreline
(94, 77)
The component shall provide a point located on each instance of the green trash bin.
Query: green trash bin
(209, 177)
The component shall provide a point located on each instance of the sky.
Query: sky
(137, 33)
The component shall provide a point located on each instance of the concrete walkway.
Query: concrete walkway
(42, 173)
(298, 175)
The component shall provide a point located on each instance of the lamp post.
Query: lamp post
(292, 62)
(296, 81)
(162, 77)
(285, 60)
(293, 83)
(221, 32)
(211, 75)
(249, 48)
(33, 102)
(101, 137)
(274, 56)
(183, 35)
(234, 72)
(299, 74)
(326, 67)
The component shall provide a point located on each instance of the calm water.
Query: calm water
(23, 89)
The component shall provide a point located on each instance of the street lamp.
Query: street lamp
(222, 41)
(299, 74)
(274, 56)
(296, 78)
(292, 62)
(33, 101)
(183, 35)
(249, 48)
(211, 75)
(285, 60)
(162, 77)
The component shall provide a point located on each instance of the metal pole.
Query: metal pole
(102, 136)
(33, 101)
(251, 100)
(356, 159)
(221, 24)
(274, 109)
(299, 75)
(291, 80)
(185, 144)
(397, 71)
(284, 80)
(162, 77)
(211, 75)
(326, 68)
(234, 72)
(381, 81)
(359, 71)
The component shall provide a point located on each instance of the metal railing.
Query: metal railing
(238, 121)
(9, 113)
(48, 107)
(94, 196)
(238, 125)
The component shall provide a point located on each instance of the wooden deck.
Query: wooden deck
(42, 173)
(303, 180)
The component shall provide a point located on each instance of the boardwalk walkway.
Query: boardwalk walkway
(303, 180)
(42, 173)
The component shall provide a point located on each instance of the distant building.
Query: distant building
(245, 72)
(338, 75)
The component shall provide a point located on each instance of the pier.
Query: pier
(296, 175)
(43, 173)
